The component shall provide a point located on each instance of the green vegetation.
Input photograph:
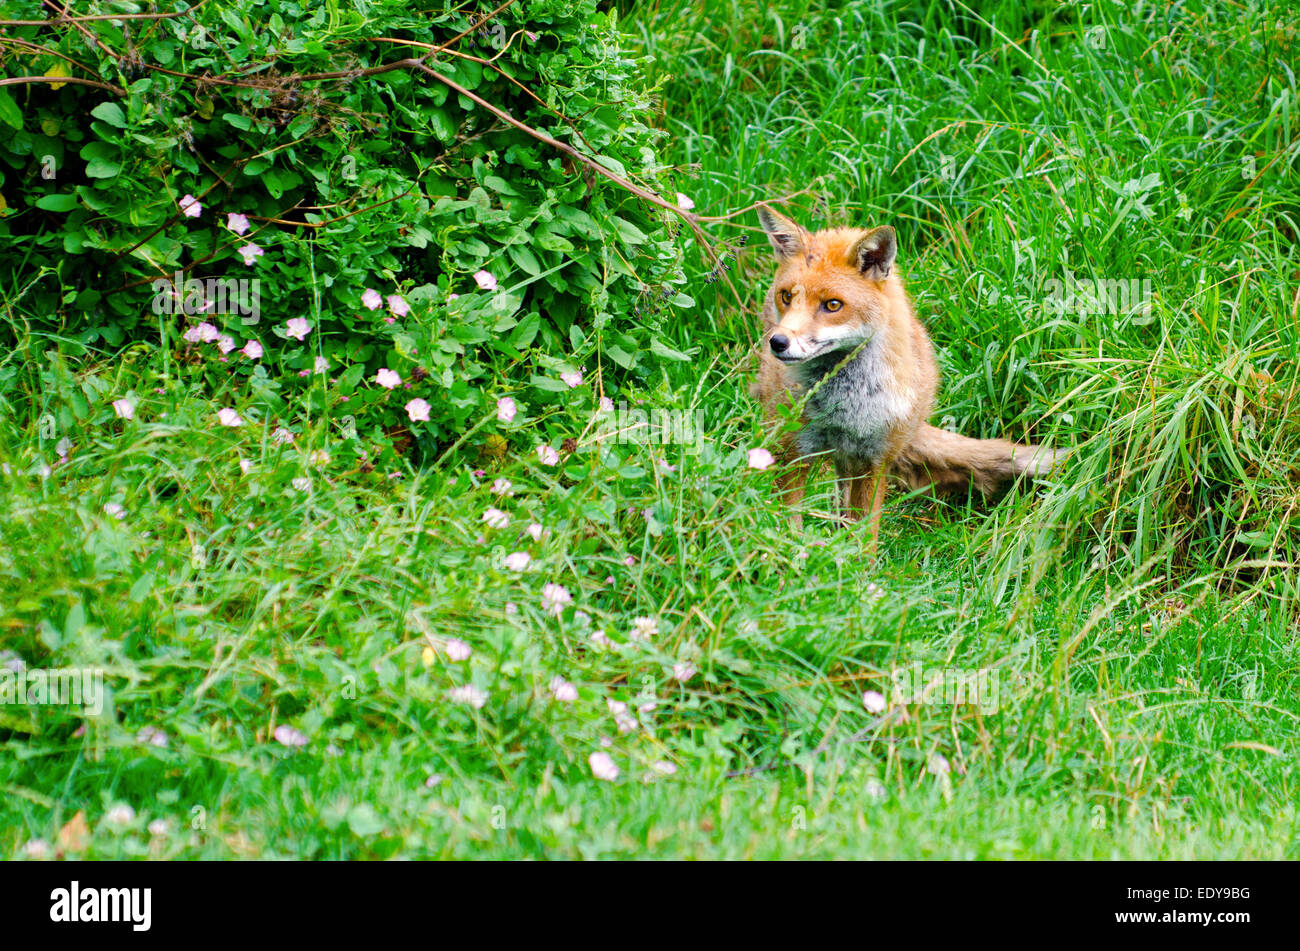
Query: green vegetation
(1097, 208)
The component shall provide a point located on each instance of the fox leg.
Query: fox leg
(866, 497)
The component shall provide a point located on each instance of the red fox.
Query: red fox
(839, 330)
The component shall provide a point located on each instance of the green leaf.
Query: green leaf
(10, 114)
(111, 113)
(64, 202)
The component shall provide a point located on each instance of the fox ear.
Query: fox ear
(787, 238)
(874, 253)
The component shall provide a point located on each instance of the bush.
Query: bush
(396, 241)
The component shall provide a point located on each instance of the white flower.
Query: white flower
(322, 365)
(875, 790)
(506, 409)
(225, 344)
(318, 457)
(563, 691)
(124, 409)
(518, 560)
(606, 405)
(281, 436)
(496, 518)
(503, 487)
(874, 701)
(684, 671)
(119, 815)
(937, 765)
(600, 638)
(387, 378)
(760, 459)
(302, 483)
(418, 410)
(469, 694)
(572, 378)
(398, 305)
(228, 417)
(534, 531)
(159, 827)
(602, 767)
(245, 466)
(37, 850)
(643, 628)
(457, 650)
(115, 510)
(663, 767)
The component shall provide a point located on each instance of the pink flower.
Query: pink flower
(237, 223)
(506, 409)
(322, 365)
(289, 736)
(602, 767)
(684, 203)
(398, 305)
(124, 409)
(228, 417)
(457, 650)
(562, 690)
(252, 350)
(518, 560)
(760, 459)
(297, 328)
(503, 487)
(371, 299)
(684, 672)
(387, 378)
(496, 518)
(485, 280)
(573, 378)
(534, 532)
(874, 701)
(418, 410)
(606, 405)
(225, 344)
(249, 252)
(190, 206)
(554, 598)
(547, 455)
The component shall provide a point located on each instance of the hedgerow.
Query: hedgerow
(408, 257)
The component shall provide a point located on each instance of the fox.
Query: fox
(841, 336)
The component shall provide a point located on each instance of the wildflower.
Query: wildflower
(469, 694)
(518, 560)
(418, 410)
(760, 459)
(563, 691)
(602, 767)
(554, 598)
(643, 628)
(547, 455)
(572, 378)
(684, 671)
(503, 487)
(874, 701)
(190, 206)
(237, 223)
(457, 650)
(124, 409)
(297, 327)
(398, 305)
(371, 299)
(387, 378)
(286, 735)
(228, 417)
(496, 518)
(225, 344)
(534, 532)
(485, 280)
(684, 203)
(250, 253)
(252, 350)
(119, 815)
(506, 409)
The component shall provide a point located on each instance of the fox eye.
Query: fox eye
(833, 304)
(786, 297)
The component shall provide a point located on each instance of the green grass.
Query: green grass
(1139, 614)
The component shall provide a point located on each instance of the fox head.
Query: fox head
(832, 288)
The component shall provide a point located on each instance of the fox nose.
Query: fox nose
(780, 343)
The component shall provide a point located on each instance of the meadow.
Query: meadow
(626, 651)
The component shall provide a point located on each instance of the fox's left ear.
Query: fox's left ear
(874, 253)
